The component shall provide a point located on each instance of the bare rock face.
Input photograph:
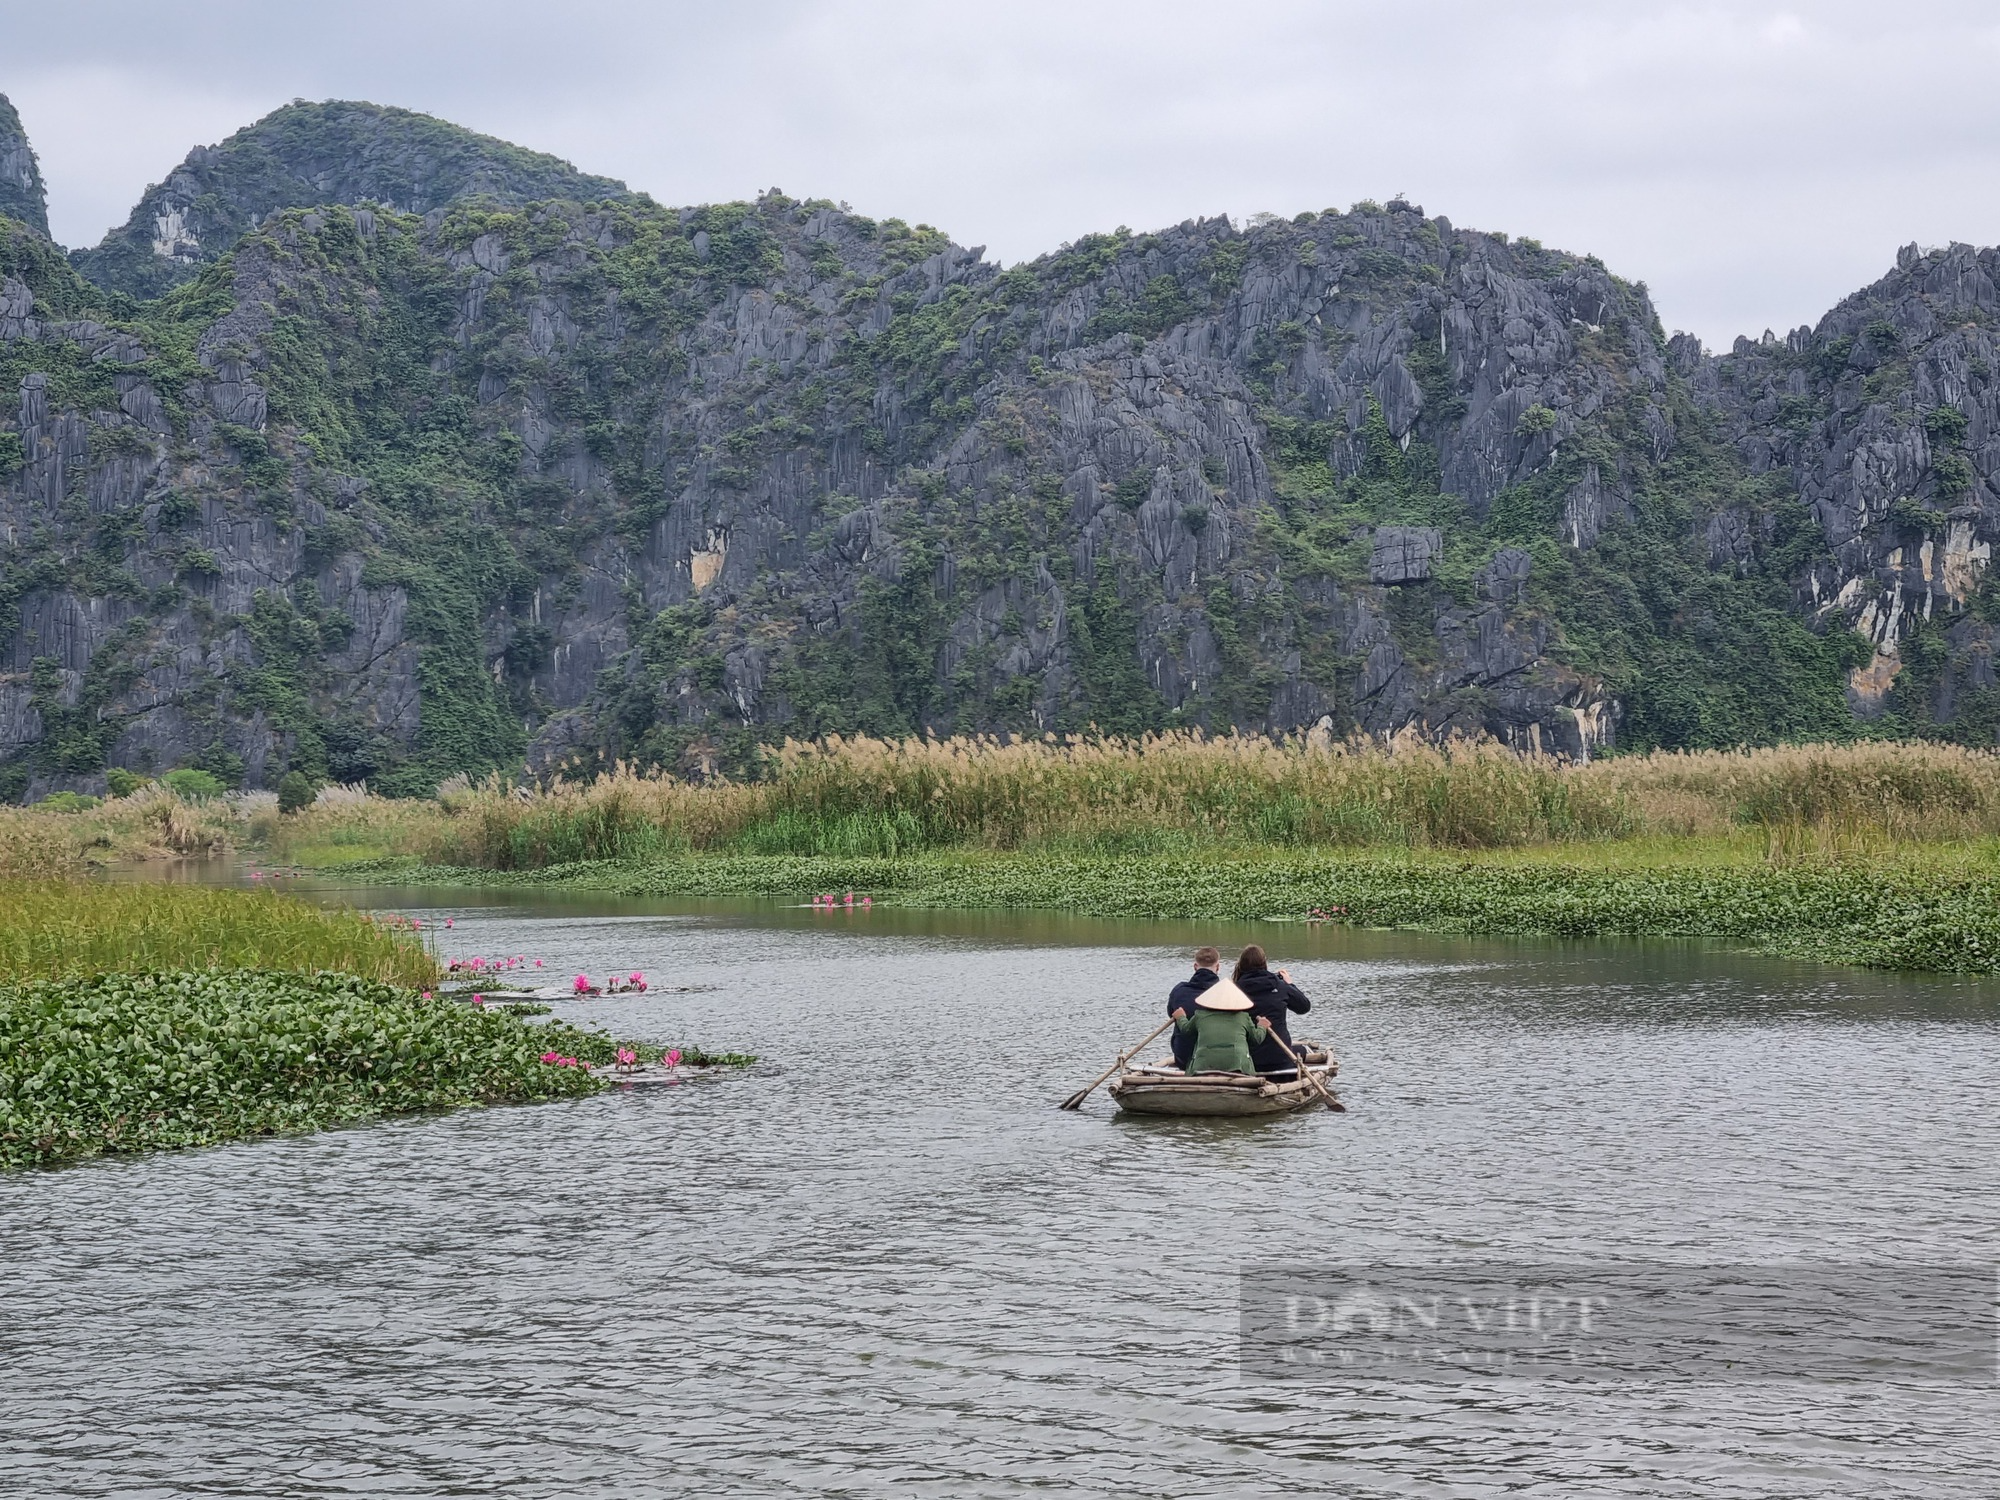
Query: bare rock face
(21, 194)
(1404, 554)
(1504, 580)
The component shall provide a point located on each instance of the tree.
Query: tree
(295, 791)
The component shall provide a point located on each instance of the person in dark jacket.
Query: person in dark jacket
(1207, 971)
(1271, 996)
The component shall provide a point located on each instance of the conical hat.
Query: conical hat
(1222, 996)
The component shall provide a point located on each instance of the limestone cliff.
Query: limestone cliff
(21, 195)
(1884, 419)
(394, 494)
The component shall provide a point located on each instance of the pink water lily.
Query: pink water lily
(427, 994)
(478, 999)
(583, 984)
(671, 1057)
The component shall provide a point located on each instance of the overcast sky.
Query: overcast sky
(1752, 163)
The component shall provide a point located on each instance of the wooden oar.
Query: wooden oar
(1075, 1101)
(1312, 1078)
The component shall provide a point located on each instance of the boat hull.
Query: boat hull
(1163, 1091)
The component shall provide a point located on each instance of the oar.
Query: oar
(1075, 1101)
(1313, 1078)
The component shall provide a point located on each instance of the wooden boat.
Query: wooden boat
(1162, 1089)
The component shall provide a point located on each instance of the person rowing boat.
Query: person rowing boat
(1223, 1030)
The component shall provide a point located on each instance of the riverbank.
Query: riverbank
(1935, 908)
(1880, 854)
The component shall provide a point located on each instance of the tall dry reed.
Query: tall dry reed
(869, 797)
(1178, 791)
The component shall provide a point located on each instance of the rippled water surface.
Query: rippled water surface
(884, 1261)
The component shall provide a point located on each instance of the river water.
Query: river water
(883, 1261)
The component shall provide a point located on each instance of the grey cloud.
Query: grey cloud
(1752, 163)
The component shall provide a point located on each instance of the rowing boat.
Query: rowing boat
(1162, 1089)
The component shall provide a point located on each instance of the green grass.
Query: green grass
(1917, 909)
(130, 1062)
(64, 929)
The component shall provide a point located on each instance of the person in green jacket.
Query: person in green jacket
(1224, 1031)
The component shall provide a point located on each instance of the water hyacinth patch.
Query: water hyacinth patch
(128, 1062)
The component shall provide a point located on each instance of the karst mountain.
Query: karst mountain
(376, 448)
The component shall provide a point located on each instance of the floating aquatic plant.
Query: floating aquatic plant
(125, 1062)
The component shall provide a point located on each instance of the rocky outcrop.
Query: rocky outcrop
(305, 155)
(1404, 554)
(1884, 421)
(21, 194)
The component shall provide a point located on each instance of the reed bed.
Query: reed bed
(66, 929)
(1182, 793)
(1164, 794)
(152, 823)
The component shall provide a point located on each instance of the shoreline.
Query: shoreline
(1932, 917)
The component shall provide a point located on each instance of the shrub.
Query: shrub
(1945, 425)
(67, 802)
(123, 783)
(191, 785)
(1952, 472)
(1913, 516)
(1536, 419)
